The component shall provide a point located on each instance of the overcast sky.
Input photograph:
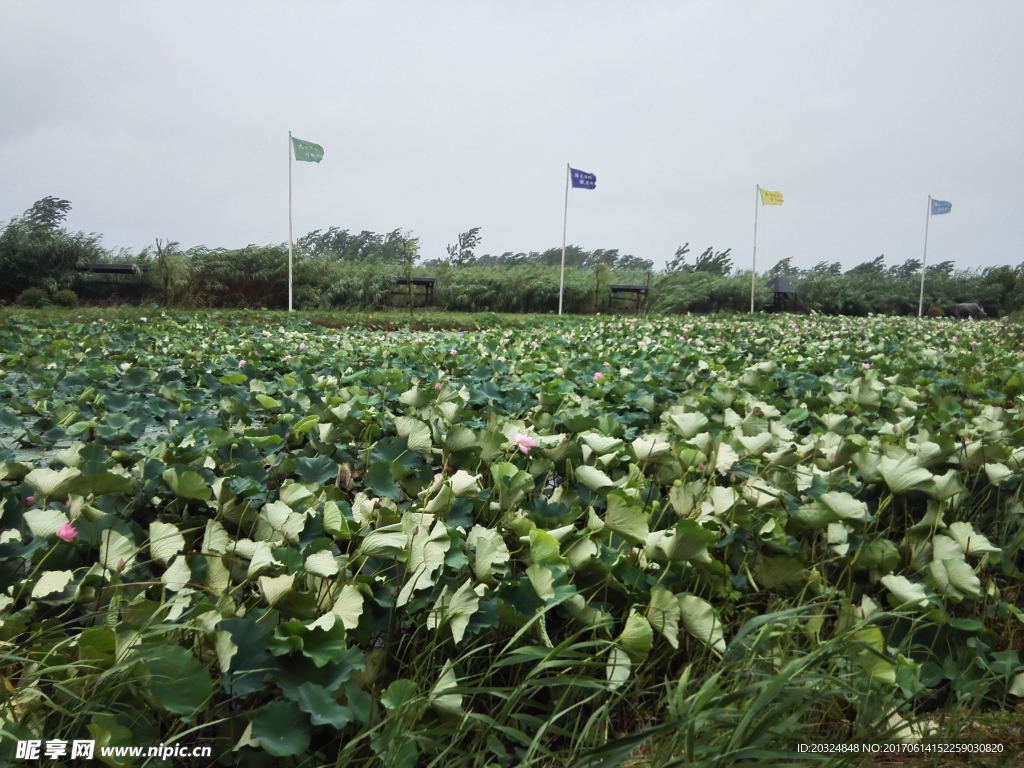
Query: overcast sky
(171, 120)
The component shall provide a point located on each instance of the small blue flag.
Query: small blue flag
(582, 179)
(940, 206)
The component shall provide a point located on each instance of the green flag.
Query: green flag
(307, 150)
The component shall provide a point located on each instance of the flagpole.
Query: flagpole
(753, 261)
(565, 221)
(289, 221)
(924, 258)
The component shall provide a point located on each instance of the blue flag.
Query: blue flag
(940, 206)
(582, 179)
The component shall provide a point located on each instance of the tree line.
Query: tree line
(336, 268)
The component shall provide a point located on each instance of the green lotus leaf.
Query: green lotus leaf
(51, 483)
(51, 582)
(686, 424)
(117, 552)
(165, 541)
(321, 563)
(187, 484)
(664, 613)
(261, 558)
(946, 486)
(490, 553)
(455, 609)
(282, 729)
(700, 620)
(277, 522)
(321, 707)
(267, 402)
(872, 659)
(542, 580)
(276, 588)
(216, 539)
(725, 458)
(443, 696)
(637, 638)
(177, 680)
(646, 448)
(592, 477)
(544, 548)
(177, 575)
(904, 591)
(970, 541)
(465, 485)
(389, 541)
(349, 606)
(427, 550)
(618, 668)
(600, 444)
(954, 579)
(904, 474)
(416, 433)
(844, 505)
(998, 473)
(627, 517)
(44, 523)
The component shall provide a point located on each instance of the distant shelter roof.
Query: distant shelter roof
(781, 285)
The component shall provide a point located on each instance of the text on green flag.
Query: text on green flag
(307, 150)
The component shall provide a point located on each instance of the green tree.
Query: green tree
(460, 253)
(907, 269)
(714, 262)
(678, 262)
(35, 252)
(783, 268)
(170, 270)
(869, 268)
(48, 213)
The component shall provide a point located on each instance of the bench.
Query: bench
(406, 285)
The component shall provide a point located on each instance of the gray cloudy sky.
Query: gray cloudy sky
(170, 120)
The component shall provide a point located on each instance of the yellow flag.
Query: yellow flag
(770, 198)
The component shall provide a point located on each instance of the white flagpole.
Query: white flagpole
(565, 220)
(924, 258)
(289, 221)
(753, 260)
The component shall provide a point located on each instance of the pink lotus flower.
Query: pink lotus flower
(453, 351)
(287, 357)
(525, 442)
(437, 385)
(67, 532)
(242, 362)
(865, 366)
(598, 375)
(501, 358)
(302, 346)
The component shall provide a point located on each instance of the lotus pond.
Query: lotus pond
(668, 541)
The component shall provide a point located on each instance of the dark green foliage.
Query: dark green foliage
(48, 213)
(33, 297)
(254, 276)
(36, 253)
(525, 288)
(340, 245)
(335, 269)
(65, 298)
(460, 253)
(321, 283)
(705, 291)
